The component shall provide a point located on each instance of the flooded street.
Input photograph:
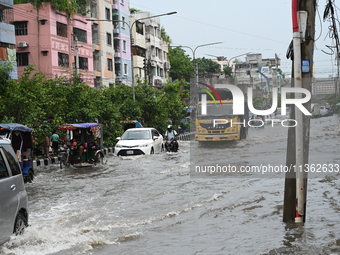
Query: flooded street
(157, 204)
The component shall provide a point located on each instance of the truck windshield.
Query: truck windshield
(216, 110)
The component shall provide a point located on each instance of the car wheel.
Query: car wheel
(30, 176)
(152, 151)
(20, 224)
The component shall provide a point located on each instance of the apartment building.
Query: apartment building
(258, 72)
(54, 43)
(7, 36)
(150, 51)
(122, 41)
(323, 86)
(102, 42)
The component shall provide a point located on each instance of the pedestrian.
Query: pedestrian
(55, 142)
(47, 130)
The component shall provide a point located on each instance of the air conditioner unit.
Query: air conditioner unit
(22, 44)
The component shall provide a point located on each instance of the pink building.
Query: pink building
(52, 42)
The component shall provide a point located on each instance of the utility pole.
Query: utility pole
(295, 192)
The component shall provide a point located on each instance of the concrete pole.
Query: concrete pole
(295, 192)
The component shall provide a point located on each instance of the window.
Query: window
(108, 39)
(139, 28)
(124, 45)
(95, 34)
(116, 45)
(109, 64)
(107, 13)
(3, 168)
(123, 22)
(80, 34)
(63, 59)
(22, 59)
(125, 69)
(15, 168)
(122, 1)
(20, 28)
(61, 29)
(83, 63)
(117, 69)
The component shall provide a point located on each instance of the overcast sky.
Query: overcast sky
(262, 26)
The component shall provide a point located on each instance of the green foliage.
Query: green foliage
(165, 37)
(32, 98)
(134, 10)
(206, 67)
(228, 71)
(68, 6)
(181, 65)
(258, 102)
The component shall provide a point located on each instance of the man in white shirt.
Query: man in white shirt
(171, 134)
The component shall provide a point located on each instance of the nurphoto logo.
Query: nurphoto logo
(238, 102)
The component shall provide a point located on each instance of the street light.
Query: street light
(194, 59)
(131, 41)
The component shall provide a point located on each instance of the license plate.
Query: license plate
(129, 152)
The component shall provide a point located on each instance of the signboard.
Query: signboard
(305, 66)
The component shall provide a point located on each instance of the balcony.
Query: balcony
(6, 4)
(7, 33)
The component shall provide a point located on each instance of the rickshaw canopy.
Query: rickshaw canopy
(78, 125)
(15, 127)
(137, 123)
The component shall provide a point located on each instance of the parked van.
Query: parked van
(13, 196)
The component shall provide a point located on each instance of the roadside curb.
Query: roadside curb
(53, 160)
(186, 137)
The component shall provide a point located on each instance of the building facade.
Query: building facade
(258, 72)
(54, 43)
(122, 41)
(323, 86)
(102, 43)
(7, 37)
(150, 51)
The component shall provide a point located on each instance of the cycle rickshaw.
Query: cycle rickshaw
(22, 143)
(89, 150)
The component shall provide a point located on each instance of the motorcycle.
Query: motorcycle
(171, 145)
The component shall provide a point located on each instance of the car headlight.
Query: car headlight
(144, 145)
(118, 146)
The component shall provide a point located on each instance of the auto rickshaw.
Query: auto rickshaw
(126, 124)
(22, 143)
(88, 149)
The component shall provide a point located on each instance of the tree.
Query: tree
(228, 70)
(206, 67)
(165, 36)
(181, 65)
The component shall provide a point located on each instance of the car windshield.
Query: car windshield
(136, 135)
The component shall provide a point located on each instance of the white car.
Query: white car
(139, 141)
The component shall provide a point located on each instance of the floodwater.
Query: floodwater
(157, 204)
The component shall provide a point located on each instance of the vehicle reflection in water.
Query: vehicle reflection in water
(153, 205)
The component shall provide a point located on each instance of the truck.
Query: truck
(219, 123)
